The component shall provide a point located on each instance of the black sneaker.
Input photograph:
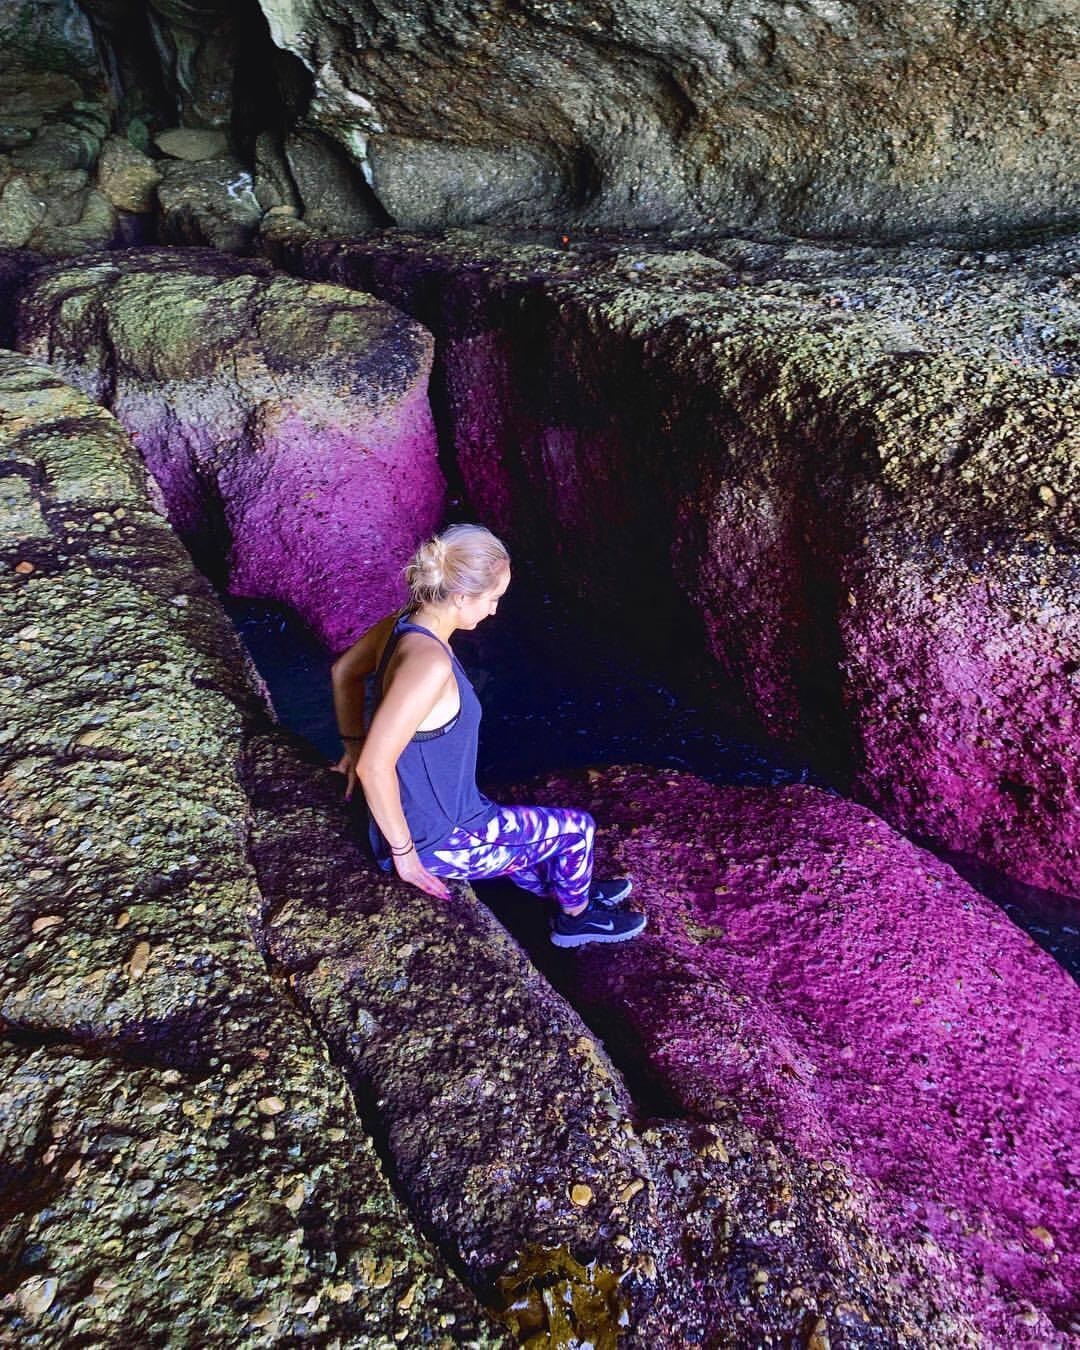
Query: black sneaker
(595, 925)
(608, 894)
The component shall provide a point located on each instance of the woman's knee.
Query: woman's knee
(586, 823)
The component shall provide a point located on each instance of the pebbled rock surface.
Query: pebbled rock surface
(847, 474)
(209, 998)
(179, 1159)
(510, 1131)
(827, 118)
(287, 424)
(861, 1004)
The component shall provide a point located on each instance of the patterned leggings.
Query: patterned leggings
(543, 849)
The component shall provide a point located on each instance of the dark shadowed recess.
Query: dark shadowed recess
(562, 690)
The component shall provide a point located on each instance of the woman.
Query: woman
(417, 760)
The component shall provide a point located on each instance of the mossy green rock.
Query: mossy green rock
(182, 1162)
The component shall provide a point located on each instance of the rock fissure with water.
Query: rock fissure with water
(845, 479)
(254, 1092)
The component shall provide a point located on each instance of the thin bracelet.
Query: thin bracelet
(349, 738)
(401, 852)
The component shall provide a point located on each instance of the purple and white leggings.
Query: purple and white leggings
(544, 849)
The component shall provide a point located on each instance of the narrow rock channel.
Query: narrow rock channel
(811, 1019)
(286, 284)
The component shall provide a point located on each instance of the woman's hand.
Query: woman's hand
(409, 868)
(347, 765)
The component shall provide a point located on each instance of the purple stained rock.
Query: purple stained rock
(287, 424)
(848, 993)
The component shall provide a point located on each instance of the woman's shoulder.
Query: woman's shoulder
(417, 645)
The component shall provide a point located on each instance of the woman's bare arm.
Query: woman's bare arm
(420, 677)
(350, 670)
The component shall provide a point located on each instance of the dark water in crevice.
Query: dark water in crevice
(560, 693)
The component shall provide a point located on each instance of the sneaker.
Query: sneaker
(608, 894)
(595, 925)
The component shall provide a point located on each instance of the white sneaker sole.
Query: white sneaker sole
(583, 939)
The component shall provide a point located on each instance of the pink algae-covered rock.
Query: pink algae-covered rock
(815, 971)
(286, 423)
(965, 697)
(847, 476)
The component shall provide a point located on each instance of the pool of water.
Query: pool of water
(560, 693)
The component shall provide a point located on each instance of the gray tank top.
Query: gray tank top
(437, 769)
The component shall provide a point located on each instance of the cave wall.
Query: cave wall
(820, 117)
(846, 481)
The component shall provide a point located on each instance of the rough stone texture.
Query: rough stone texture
(208, 202)
(52, 131)
(498, 1101)
(884, 120)
(127, 177)
(46, 36)
(334, 196)
(180, 1162)
(194, 42)
(861, 1002)
(274, 184)
(287, 424)
(189, 143)
(204, 1006)
(859, 465)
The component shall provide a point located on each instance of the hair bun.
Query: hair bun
(432, 559)
(466, 558)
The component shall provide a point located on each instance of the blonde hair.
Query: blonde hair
(463, 560)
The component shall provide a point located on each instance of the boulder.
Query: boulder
(208, 202)
(21, 212)
(213, 1000)
(53, 134)
(534, 1160)
(820, 118)
(192, 143)
(853, 998)
(126, 176)
(332, 190)
(273, 181)
(180, 1159)
(287, 424)
(845, 476)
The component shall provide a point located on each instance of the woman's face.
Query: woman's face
(476, 608)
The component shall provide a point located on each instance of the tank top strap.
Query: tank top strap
(403, 625)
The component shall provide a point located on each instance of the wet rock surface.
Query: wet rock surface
(207, 1004)
(854, 999)
(513, 1136)
(180, 1159)
(857, 465)
(286, 424)
(820, 118)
